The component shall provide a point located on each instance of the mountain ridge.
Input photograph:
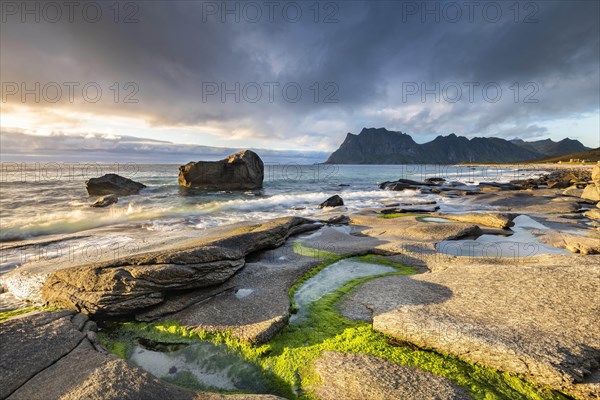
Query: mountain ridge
(381, 146)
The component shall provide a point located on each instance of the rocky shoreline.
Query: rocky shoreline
(532, 312)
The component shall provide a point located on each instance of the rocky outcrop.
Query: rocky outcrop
(525, 319)
(359, 377)
(239, 171)
(56, 355)
(253, 305)
(105, 201)
(135, 282)
(112, 184)
(333, 201)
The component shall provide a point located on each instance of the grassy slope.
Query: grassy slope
(287, 359)
(592, 155)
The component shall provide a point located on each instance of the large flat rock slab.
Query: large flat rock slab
(32, 343)
(359, 377)
(538, 319)
(143, 280)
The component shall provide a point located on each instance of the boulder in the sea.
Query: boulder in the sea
(112, 184)
(333, 201)
(239, 171)
(105, 201)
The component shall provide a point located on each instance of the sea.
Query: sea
(47, 202)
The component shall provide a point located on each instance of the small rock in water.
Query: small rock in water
(105, 201)
(333, 201)
(173, 370)
(112, 184)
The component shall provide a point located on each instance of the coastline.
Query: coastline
(509, 251)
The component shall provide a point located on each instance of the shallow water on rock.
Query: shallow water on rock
(433, 219)
(332, 278)
(202, 366)
(522, 243)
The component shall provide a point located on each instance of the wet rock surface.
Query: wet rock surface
(333, 201)
(105, 201)
(113, 184)
(239, 171)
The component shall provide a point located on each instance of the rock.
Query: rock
(501, 221)
(333, 201)
(525, 319)
(563, 184)
(337, 220)
(105, 201)
(124, 285)
(397, 186)
(360, 376)
(239, 171)
(575, 243)
(112, 184)
(572, 191)
(409, 209)
(253, 305)
(501, 186)
(44, 356)
(434, 180)
(32, 343)
(591, 192)
(593, 214)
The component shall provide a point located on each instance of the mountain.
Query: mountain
(550, 148)
(380, 146)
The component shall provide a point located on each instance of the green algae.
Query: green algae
(287, 360)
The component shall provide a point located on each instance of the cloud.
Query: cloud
(96, 147)
(361, 62)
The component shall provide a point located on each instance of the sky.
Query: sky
(160, 80)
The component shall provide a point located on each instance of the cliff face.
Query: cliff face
(380, 146)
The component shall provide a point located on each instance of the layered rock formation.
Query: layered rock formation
(239, 171)
(133, 283)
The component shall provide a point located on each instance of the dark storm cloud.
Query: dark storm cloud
(176, 49)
